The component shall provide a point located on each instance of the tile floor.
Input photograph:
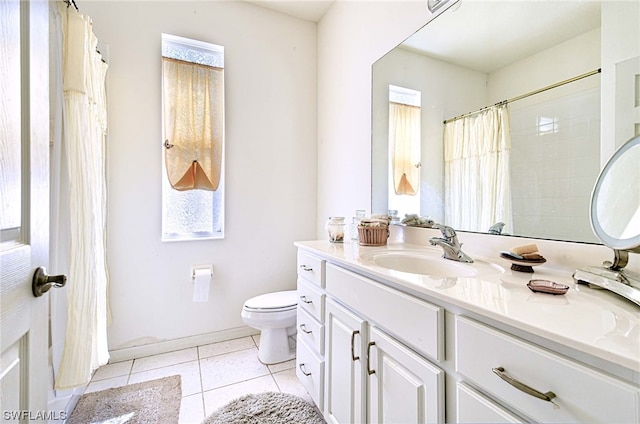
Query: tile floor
(212, 375)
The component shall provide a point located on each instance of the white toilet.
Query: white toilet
(274, 314)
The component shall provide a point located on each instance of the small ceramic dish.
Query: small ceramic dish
(546, 286)
(523, 265)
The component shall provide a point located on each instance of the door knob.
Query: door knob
(42, 282)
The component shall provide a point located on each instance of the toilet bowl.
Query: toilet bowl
(274, 314)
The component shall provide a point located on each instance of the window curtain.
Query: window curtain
(78, 191)
(477, 183)
(404, 139)
(193, 124)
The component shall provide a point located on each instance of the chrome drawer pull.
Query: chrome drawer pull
(523, 387)
(369, 370)
(303, 370)
(353, 353)
(303, 327)
(305, 300)
(305, 268)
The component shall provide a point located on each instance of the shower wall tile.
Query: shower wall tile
(555, 158)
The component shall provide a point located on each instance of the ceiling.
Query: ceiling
(487, 35)
(309, 10)
(480, 34)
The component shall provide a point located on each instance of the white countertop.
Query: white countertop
(595, 322)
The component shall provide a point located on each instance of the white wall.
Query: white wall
(351, 37)
(620, 21)
(270, 83)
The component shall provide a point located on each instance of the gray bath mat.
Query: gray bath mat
(149, 402)
(266, 408)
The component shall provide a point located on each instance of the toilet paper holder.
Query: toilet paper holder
(196, 268)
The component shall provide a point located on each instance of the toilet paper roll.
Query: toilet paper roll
(201, 284)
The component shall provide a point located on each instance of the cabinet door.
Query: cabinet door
(404, 387)
(345, 379)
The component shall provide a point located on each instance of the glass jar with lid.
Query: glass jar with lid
(335, 229)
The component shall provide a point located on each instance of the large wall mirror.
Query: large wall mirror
(446, 145)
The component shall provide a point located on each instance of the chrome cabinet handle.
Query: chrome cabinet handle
(301, 366)
(305, 300)
(369, 370)
(500, 372)
(353, 353)
(305, 268)
(303, 327)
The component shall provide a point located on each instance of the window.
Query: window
(404, 149)
(193, 134)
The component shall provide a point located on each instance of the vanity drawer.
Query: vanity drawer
(581, 394)
(311, 268)
(310, 372)
(472, 407)
(413, 321)
(311, 331)
(311, 299)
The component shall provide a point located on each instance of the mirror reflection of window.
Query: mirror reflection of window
(547, 125)
(404, 148)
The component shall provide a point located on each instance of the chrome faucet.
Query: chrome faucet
(496, 228)
(450, 245)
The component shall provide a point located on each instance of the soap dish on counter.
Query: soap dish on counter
(522, 265)
(546, 286)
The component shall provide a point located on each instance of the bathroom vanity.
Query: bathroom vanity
(398, 334)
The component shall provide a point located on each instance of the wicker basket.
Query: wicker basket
(373, 236)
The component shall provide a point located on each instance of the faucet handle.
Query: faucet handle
(447, 232)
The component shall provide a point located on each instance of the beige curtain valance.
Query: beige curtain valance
(193, 124)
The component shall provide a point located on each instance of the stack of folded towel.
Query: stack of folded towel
(376, 221)
(413, 220)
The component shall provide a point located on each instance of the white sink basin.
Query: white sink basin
(418, 262)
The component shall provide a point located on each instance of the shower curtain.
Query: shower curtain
(78, 236)
(477, 180)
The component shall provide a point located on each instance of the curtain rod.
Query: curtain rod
(531, 93)
(72, 3)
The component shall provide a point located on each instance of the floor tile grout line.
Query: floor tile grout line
(204, 409)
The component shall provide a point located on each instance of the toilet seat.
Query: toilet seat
(273, 302)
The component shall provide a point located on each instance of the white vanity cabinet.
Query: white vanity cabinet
(371, 349)
(371, 376)
(538, 383)
(310, 321)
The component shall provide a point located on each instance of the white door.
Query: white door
(403, 387)
(345, 383)
(24, 207)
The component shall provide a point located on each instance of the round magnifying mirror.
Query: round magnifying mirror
(615, 201)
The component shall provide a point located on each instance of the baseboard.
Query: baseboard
(119, 355)
(62, 407)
